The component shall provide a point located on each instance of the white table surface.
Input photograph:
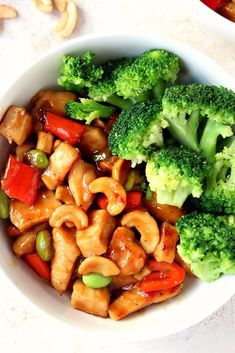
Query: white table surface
(22, 328)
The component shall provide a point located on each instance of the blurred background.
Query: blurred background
(23, 40)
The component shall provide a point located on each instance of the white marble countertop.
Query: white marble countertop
(22, 329)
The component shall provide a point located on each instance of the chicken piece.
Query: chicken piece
(163, 212)
(94, 140)
(165, 251)
(25, 217)
(134, 299)
(64, 194)
(90, 300)
(122, 281)
(125, 252)
(25, 244)
(79, 178)
(66, 253)
(51, 101)
(94, 239)
(17, 125)
(45, 142)
(60, 163)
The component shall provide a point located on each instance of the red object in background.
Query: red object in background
(164, 276)
(133, 200)
(21, 181)
(63, 128)
(213, 4)
(38, 265)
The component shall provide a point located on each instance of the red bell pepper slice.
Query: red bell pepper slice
(38, 265)
(21, 181)
(133, 200)
(164, 276)
(213, 4)
(63, 128)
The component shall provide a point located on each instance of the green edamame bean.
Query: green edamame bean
(43, 245)
(96, 280)
(38, 159)
(4, 205)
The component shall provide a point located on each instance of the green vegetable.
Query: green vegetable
(219, 194)
(88, 110)
(96, 280)
(198, 114)
(105, 89)
(136, 131)
(77, 73)
(175, 173)
(38, 159)
(147, 75)
(4, 205)
(44, 245)
(207, 244)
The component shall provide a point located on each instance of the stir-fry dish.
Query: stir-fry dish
(122, 182)
(225, 8)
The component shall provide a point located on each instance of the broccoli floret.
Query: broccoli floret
(148, 72)
(77, 73)
(187, 106)
(105, 90)
(219, 195)
(136, 131)
(88, 110)
(207, 244)
(176, 172)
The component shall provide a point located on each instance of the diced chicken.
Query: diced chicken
(90, 300)
(164, 213)
(64, 194)
(66, 253)
(25, 244)
(51, 101)
(79, 178)
(134, 299)
(94, 140)
(165, 251)
(45, 142)
(125, 252)
(17, 125)
(25, 217)
(94, 239)
(60, 163)
(122, 281)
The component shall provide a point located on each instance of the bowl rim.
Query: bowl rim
(175, 44)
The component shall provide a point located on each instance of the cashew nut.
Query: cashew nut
(94, 239)
(146, 226)
(63, 194)
(44, 5)
(114, 191)
(79, 178)
(7, 11)
(120, 170)
(69, 213)
(68, 21)
(98, 264)
(60, 5)
(165, 251)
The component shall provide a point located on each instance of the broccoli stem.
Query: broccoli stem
(159, 89)
(209, 138)
(174, 198)
(119, 102)
(185, 130)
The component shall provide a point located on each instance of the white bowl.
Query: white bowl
(198, 300)
(214, 21)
